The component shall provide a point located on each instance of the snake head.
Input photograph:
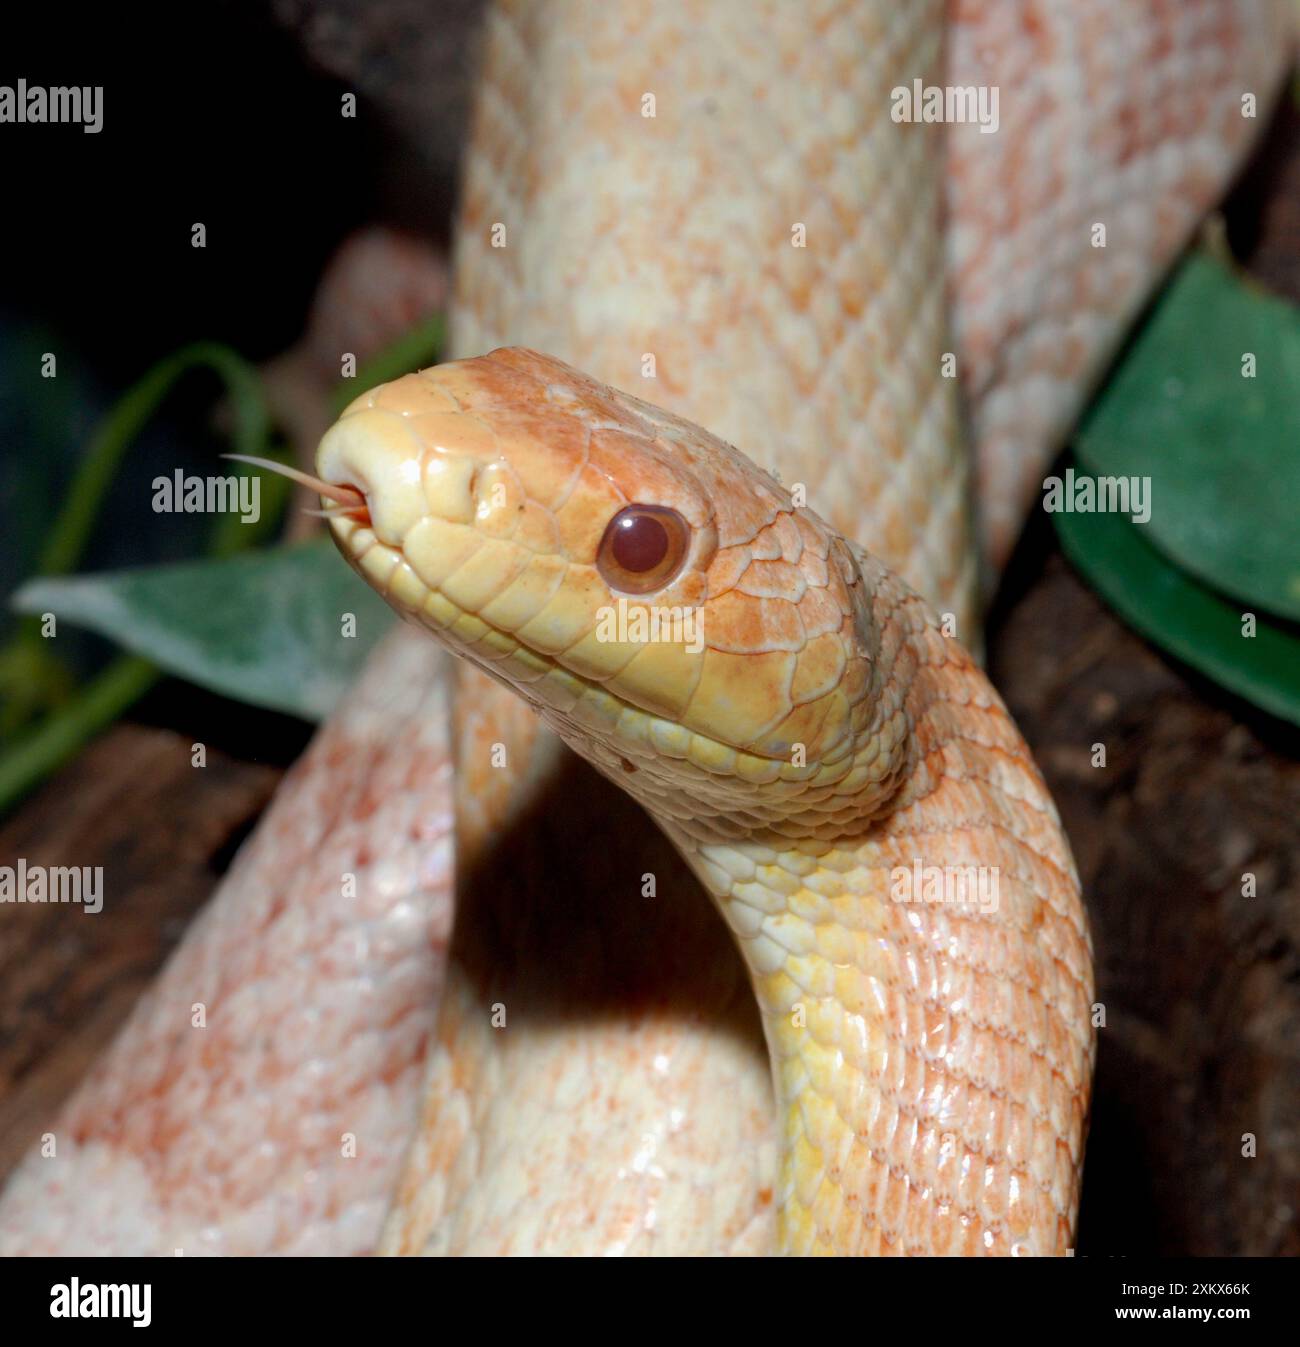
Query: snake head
(652, 593)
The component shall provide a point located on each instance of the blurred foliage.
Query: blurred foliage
(1204, 405)
(1189, 620)
(1219, 448)
(262, 628)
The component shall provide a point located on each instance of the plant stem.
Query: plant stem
(92, 707)
(71, 530)
(412, 350)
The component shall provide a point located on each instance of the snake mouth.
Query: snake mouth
(350, 502)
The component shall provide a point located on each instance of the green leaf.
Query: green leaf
(262, 627)
(1219, 448)
(1186, 618)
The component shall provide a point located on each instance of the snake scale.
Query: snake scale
(707, 205)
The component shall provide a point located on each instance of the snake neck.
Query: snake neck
(923, 977)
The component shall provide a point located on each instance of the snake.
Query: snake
(756, 348)
(821, 736)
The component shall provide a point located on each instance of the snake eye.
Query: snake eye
(643, 548)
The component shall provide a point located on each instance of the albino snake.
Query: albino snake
(775, 242)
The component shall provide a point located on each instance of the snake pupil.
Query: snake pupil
(640, 542)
